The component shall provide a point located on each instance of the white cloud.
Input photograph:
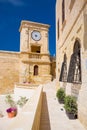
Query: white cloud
(13, 2)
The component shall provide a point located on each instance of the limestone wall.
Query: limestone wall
(70, 18)
(65, 46)
(9, 70)
(82, 101)
(73, 28)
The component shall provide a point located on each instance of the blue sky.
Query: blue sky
(13, 11)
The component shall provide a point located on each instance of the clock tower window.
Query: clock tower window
(35, 49)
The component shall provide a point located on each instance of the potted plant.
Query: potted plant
(21, 102)
(61, 95)
(12, 110)
(70, 106)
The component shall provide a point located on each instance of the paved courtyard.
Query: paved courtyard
(53, 115)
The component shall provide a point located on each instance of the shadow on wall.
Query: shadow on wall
(44, 121)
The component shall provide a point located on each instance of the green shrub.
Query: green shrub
(60, 94)
(70, 104)
(22, 101)
(9, 100)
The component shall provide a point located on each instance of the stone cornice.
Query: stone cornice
(45, 54)
(31, 25)
(9, 54)
(37, 62)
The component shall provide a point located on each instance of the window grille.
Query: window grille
(74, 74)
(63, 74)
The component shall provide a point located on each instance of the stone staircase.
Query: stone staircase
(45, 121)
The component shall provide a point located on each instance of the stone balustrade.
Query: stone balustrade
(35, 56)
(40, 57)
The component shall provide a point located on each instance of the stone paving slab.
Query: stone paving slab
(57, 116)
(5, 122)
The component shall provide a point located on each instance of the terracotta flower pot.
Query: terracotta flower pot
(12, 112)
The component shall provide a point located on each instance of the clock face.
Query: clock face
(36, 35)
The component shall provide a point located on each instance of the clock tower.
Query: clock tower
(35, 64)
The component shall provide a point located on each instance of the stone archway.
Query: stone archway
(74, 73)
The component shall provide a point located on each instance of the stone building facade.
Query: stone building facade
(71, 51)
(33, 64)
